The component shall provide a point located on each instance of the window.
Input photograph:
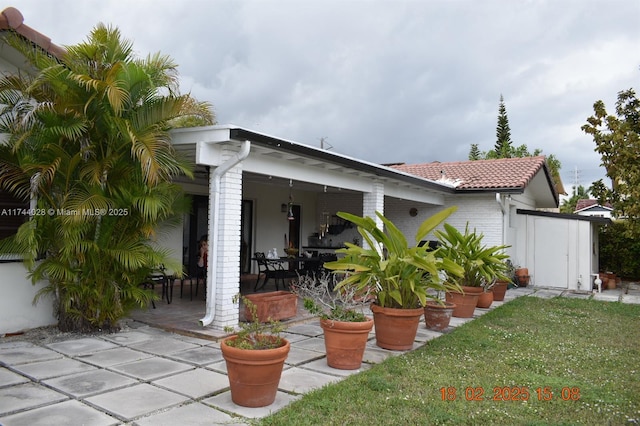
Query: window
(12, 214)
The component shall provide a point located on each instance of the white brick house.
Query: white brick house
(245, 179)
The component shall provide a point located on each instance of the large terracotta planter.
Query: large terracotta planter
(396, 329)
(275, 305)
(345, 342)
(465, 302)
(500, 290)
(254, 375)
(485, 299)
(437, 316)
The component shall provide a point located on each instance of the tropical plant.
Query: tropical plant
(397, 275)
(87, 141)
(319, 298)
(481, 264)
(254, 334)
(617, 139)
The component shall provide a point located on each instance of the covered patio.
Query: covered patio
(257, 193)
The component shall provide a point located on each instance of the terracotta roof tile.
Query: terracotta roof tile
(480, 174)
(584, 203)
(12, 19)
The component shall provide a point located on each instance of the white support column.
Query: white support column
(228, 262)
(373, 202)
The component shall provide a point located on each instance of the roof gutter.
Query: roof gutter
(214, 214)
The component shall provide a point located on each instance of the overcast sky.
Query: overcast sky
(387, 81)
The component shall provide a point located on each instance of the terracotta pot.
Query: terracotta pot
(438, 316)
(465, 302)
(522, 277)
(345, 342)
(499, 290)
(275, 305)
(396, 329)
(485, 300)
(254, 375)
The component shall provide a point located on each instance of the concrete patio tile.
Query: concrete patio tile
(320, 365)
(220, 366)
(53, 368)
(298, 356)
(224, 402)
(424, 334)
(112, 357)
(314, 344)
(151, 368)
(27, 395)
(195, 383)
(299, 380)
(8, 378)
(81, 346)
(195, 414)
(64, 413)
(15, 355)
(375, 355)
(129, 337)
(163, 346)
(294, 337)
(90, 383)
(198, 356)
(135, 401)
(311, 329)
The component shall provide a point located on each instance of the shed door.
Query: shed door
(551, 253)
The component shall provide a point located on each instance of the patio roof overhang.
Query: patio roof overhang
(311, 168)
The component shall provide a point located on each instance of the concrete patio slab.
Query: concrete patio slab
(320, 366)
(199, 356)
(53, 368)
(300, 380)
(311, 329)
(151, 369)
(129, 337)
(17, 355)
(163, 346)
(85, 345)
(299, 356)
(65, 413)
(27, 395)
(195, 414)
(90, 383)
(195, 383)
(112, 357)
(135, 401)
(312, 344)
(223, 401)
(8, 377)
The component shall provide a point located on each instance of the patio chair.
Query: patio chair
(269, 269)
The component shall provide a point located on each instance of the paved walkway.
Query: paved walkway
(146, 376)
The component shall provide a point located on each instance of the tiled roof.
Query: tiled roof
(502, 173)
(12, 19)
(584, 203)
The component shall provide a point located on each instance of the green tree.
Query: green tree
(503, 146)
(617, 139)
(87, 141)
(474, 153)
(569, 205)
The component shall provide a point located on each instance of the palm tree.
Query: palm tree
(88, 143)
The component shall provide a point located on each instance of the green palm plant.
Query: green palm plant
(398, 275)
(481, 264)
(88, 143)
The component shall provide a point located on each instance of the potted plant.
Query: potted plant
(437, 314)
(255, 358)
(501, 285)
(398, 276)
(522, 276)
(480, 265)
(346, 328)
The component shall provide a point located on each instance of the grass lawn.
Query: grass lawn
(532, 361)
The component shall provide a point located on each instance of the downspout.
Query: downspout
(504, 227)
(214, 213)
